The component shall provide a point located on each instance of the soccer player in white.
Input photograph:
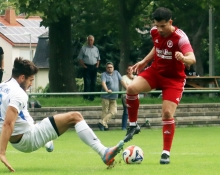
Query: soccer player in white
(18, 128)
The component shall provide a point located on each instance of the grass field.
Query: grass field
(195, 151)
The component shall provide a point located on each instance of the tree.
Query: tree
(57, 16)
(4, 4)
(127, 12)
(113, 21)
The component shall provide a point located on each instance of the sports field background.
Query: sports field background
(195, 151)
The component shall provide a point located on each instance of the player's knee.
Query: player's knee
(167, 114)
(75, 116)
(131, 90)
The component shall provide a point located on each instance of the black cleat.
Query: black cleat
(165, 159)
(100, 126)
(132, 130)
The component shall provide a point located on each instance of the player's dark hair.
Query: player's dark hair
(23, 67)
(162, 13)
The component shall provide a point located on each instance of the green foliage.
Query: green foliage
(101, 18)
(80, 83)
(217, 59)
(6, 4)
(40, 89)
(51, 10)
(46, 89)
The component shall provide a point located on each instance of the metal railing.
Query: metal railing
(116, 92)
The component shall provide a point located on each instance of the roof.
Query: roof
(6, 23)
(23, 31)
(41, 57)
(22, 35)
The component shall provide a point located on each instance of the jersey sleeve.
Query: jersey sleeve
(184, 45)
(18, 101)
(153, 33)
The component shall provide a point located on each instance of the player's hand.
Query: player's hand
(179, 56)
(138, 67)
(4, 160)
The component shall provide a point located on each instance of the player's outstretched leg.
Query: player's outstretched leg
(86, 134)
(110, 153)
(132, 130)
(49, 146)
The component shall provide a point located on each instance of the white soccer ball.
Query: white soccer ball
(49, 146)
(133, 155)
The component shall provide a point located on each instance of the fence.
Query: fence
(118, 92)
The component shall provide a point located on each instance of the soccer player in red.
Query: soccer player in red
(171, 52)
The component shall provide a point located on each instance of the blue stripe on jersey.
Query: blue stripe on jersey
(22, 115)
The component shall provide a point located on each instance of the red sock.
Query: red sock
(132, 102)
(168, 133)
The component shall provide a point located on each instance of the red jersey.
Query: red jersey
(165, 48)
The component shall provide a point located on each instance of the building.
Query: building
(41, 60)
(19, 38)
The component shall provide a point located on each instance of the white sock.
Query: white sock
(86, 134)
(133, 123)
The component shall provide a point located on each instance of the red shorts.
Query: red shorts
(172, 88)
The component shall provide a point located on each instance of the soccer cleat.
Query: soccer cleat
(110, 153)
(165, 159)
(132, 130)
(49, 146)
(101, 127)
(106, 129)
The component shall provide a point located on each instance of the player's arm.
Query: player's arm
(149, 57)
(188, 58)
(138, 67)
(186, 55)
(7, 129)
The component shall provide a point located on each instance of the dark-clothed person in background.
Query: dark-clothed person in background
(1, 63)
(89, 59)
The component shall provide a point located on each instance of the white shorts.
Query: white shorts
(38, 136)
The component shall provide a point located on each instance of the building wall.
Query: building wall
(10, 53)
(41, 79)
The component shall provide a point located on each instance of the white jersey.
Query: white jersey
(11, 94)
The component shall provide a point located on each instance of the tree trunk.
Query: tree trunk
(61, 69)
(197, 42)
(125, 38)
(124, 49)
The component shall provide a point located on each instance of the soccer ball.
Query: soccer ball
(133, 155)
(49, 146)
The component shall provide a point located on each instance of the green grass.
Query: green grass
(195, 151)
(78, 101)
